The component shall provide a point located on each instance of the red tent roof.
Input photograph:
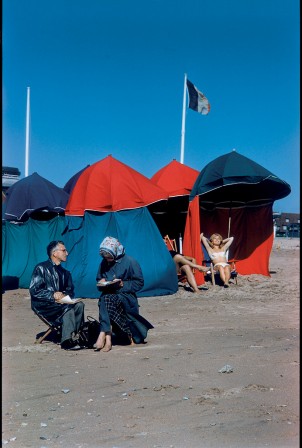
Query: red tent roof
(176, 178)
(110, 185)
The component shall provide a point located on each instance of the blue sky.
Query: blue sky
(106, 77)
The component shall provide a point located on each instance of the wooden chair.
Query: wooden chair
(171, 244)
(55, 327)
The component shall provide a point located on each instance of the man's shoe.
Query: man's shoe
(70, 345)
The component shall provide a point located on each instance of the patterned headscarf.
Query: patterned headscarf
(111, 246)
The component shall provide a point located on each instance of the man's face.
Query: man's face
(60, 253)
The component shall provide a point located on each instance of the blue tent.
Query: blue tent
(110, 199)
(34, 195)
(24, 245)
(136, 230)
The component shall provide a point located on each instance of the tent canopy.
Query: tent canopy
(31, 194)
(110, 199)
(233, 196)
(234, 180)
(110, 185)
(175, 178)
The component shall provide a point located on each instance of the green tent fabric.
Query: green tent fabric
(138, 233)
(24, 245)
(233, 180)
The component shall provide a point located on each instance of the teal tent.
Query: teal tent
(111, 199)
(24, 245)
(85, 224)
(139, 235)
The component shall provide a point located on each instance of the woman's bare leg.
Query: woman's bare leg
(227, 275)
(190, 277)
(181, 260)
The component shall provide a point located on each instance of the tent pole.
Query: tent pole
(180, 243)
(229, 226)
(27, 132)
(183, 126)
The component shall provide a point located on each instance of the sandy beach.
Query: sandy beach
(169, 392)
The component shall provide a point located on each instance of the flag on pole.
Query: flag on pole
(197, 100)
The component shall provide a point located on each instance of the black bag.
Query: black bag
(89, 332)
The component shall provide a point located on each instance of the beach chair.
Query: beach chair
(171, 244)
(215, 274)
(54, 327)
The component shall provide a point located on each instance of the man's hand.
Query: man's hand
(58, 296)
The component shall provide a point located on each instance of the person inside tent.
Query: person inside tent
(49, 284)
(119, 278)
(217, 248)
(185, 265)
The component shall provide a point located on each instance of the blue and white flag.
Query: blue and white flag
(197, 100)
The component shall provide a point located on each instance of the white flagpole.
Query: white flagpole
(27, 131)
(183, 126)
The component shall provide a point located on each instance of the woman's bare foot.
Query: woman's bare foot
(201, 268)
(100, 343)
(131, 340)
(108, 344)
(107, 348)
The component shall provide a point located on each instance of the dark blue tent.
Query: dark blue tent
(34, 195)
(69, 186)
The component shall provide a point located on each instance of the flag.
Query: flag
(197, 100)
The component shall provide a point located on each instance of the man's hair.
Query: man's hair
(52, 246)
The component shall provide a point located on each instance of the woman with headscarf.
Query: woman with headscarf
(119, 278)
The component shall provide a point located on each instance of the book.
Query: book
(68, 299)
(107, 283)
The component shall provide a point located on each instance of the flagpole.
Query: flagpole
(183, 126)
(27, 132)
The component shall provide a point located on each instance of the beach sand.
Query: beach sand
(168, 392)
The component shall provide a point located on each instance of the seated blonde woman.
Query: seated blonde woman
(217, 247)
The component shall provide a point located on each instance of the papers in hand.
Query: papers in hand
(68, 299)
(105, 283)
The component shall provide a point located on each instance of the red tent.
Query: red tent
(176, 178)
(251, 226)
(110, 185)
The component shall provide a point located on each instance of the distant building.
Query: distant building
(287, 224)
(9, 177)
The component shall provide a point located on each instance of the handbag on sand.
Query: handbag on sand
(89, 332)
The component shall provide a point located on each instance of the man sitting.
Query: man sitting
(50, 282)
